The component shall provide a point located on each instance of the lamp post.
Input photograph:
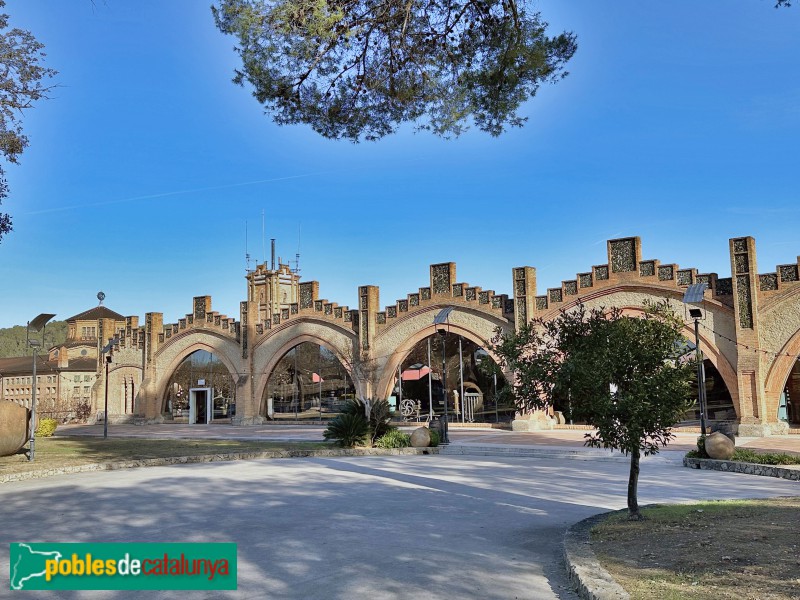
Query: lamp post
(430, 383)
(445, 438)
(36, 325)
(461, 379)
(694, 295)
(696, 314)
(496, 413)
(108, 350)
(105, 403)
(440, 321)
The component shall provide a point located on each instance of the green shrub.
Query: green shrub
(701, 447)
(750, 456)
(46, 427)
(767, 458)
(434, 438)
(394, 439)
(380, 416)
(348, 430)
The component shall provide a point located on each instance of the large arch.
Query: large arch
(779, 372)
(630, 299)
(171, 355)
(710, 352)
(779, 333)
(116, 374)
(393, 344)
(269, 350)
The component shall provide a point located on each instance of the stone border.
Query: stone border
(205, 458)
(783, 472)
(588, 578)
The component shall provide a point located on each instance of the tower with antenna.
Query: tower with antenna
(273, 287)
(246, 251)
(297, 255)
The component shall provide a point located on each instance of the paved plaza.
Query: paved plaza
(559, 438)
(374, 527)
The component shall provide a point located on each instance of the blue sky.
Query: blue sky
(679, 122)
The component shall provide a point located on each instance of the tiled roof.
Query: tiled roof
(23, 365)
(81, 364)
(78, 343)
(98, 312)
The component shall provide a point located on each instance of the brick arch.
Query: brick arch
(779, 321)
(423, 329)
(263, 377)
(656, 292)
(710, 351)
(779, 372)
(224, 348)
(270, 349)
(114, 381)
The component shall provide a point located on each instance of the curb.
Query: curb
(456, 449)
(206, 458)
(588, 578)
(730, 466)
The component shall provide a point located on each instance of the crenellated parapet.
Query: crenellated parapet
(131, 336)
(201, 318)
(309, 305)
(625, 267)
(444, 289)
(785, 278)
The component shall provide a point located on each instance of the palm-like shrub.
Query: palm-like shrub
(348, 430)
(379, 419)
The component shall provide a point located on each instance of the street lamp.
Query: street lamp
(36, 325)
(440, 321)
(108, 350)
(694, 296)
(443, 332)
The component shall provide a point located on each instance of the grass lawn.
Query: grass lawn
(53, 453)
(742, 549)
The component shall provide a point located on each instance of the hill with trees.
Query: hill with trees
(12, 339)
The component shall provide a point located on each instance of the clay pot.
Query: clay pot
(719, 446)
(13, 427)
(421, 437)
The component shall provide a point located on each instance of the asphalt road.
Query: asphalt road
(372, 527)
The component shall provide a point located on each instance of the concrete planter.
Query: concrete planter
(792, 473)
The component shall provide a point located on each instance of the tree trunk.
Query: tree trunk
(633, 484)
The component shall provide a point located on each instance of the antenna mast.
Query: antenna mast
(246, 252)
(263, 238)
(297, 256)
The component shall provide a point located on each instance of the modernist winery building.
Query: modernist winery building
(291, 355)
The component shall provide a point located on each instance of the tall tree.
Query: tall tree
(22, 82)
(357, 69)
(624, 375)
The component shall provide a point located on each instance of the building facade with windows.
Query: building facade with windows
(68, 375)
